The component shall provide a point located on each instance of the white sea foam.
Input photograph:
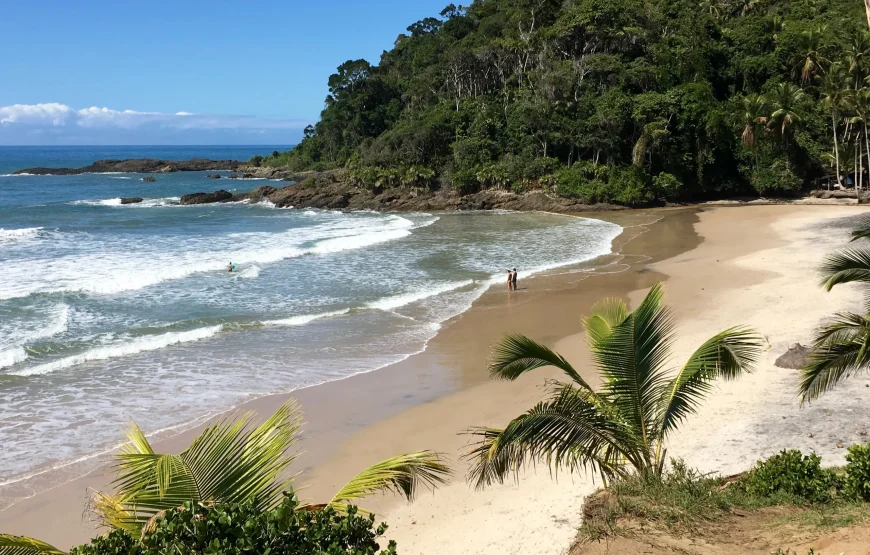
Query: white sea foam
(13, 356)
(397, 301)
(17, 174)
(138, 345)
(100, 268)
(305, 319)
(250, 273)
(9, 235)
(146, 203)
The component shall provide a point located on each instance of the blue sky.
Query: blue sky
(182, 72)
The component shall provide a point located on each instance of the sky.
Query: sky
(99, 72)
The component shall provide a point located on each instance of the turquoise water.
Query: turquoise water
(110, 313)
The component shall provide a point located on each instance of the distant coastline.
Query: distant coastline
(336, 190)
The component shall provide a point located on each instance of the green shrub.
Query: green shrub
(631, 187)
(309, 182)
(857, 482)
(792, 473)
(776, 179)
(667, 185)
(117, 542)
(236, 529)
(256, 160)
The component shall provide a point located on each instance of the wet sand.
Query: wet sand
(425, 401)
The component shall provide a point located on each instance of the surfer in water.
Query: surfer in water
(230, 267)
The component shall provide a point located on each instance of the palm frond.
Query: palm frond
(22, 545)
(229, 462)
(604, 316)
(567, 431)
(727, 355)
(404, 475)
(862, 230)
(846, 266)
(516, 354)
(632, 360)
(841, 348)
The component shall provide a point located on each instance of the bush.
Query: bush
(308, 182)
(235, 529)
(857, 482)
(631, 187)
(792, 473)
(667, 185)
(256, 160)
(776, 179)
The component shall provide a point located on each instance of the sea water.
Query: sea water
(113, 312)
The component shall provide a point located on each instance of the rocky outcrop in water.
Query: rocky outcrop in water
(141, 165)
(131, 200)
(214, 176)
(207, 198)
(149, 179)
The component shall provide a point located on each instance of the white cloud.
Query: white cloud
(34, 116)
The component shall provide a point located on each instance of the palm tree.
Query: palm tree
(230, 462)
(836, 92)
(625, 425)
(811, 59)
(744, 7)
(752, 112)
(715, 8)
(841, 348)
(776, 26)
(848, 265)
(783, 102)
(860, 103)
(858, 55)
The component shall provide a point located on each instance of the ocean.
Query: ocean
(112, 313)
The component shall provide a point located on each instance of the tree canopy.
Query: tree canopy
(606, 100)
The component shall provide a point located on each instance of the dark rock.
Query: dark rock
(242, 175)
(795, 358)
(142, 165)
(207, 198)
(131, 200)
(214, 176)
(149, 179)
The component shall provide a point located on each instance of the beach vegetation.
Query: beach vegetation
(730, 97)
(233, 462)
(236, 529)
(793, 473)
(684, 501)
(622, 427)
(856, 484)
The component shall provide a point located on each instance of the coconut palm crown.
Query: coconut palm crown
(231, 461)
(841, 347)
(623, 426)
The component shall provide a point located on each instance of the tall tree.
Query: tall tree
(784, 101)
(752, 113)
(836, 92)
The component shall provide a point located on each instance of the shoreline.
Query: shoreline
(323, 427)
(359, 420)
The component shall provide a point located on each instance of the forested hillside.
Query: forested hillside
(627, 101)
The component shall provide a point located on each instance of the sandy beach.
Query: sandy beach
(722, 266)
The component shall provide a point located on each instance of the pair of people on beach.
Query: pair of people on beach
(512, 280)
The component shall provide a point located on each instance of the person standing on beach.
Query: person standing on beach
(510, 281)
(514, 279)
